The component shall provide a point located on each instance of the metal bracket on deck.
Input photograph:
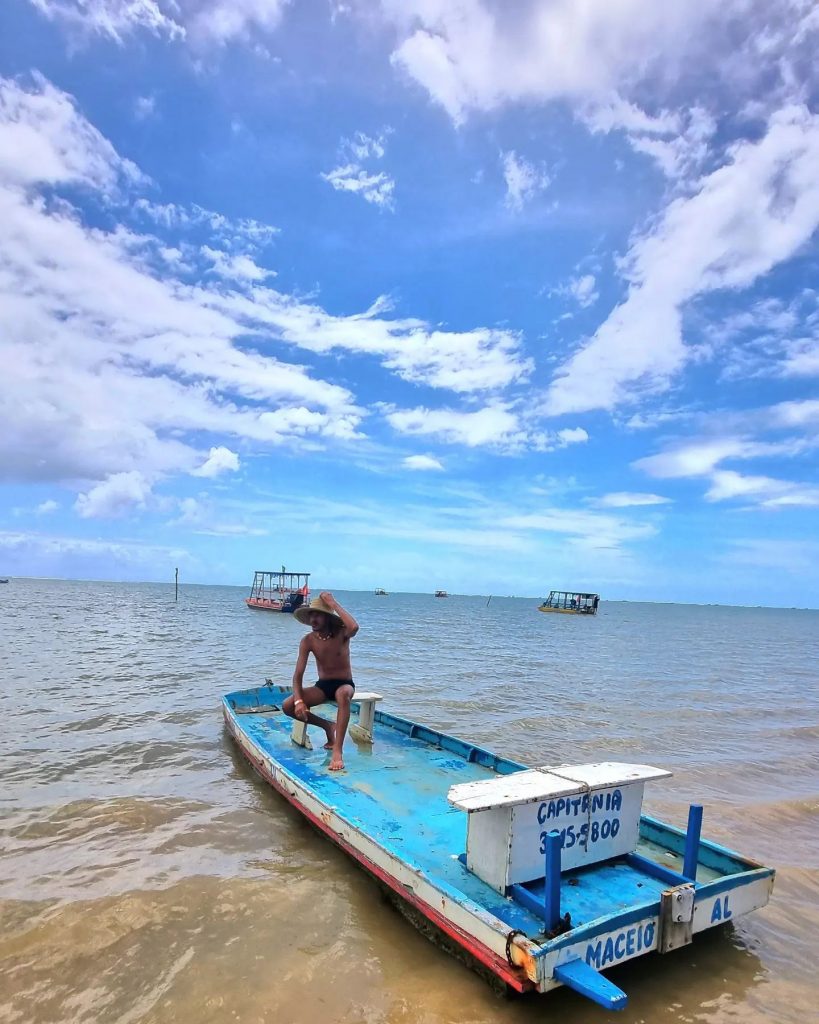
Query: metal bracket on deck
(676, 918)
(584, 979)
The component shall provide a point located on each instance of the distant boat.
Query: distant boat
(381, 593)
(570, 602)
(4, 581)
(441, 593)
(278, 591)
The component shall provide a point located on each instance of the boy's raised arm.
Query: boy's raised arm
(350, 625)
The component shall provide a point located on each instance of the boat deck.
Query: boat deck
(396, 792)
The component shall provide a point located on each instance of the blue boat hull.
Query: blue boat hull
(389, 811)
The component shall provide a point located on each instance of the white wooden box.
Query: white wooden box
(595, 807)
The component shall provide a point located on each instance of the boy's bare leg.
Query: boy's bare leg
(343, 697)
(313, 696)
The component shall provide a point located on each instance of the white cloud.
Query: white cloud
(600, 530)
(221, 21)
(46, 508)
(112, 363)
(497, 426)
(44, 140)
(763, 490)
(235, 267)
(744, 219)
(364, 147)
(701, 457)
(476, 55)
(795, 414)
(375, 188)
(244, 232)
(422, 462)
(219, 460)
(198, 21)
(118, 494)
(113, 18)
(571, 435)
(796, 558)
(583, 290)
(494, 426)
(629, 499)
(523, 180)
(144, 107)
(351, 175)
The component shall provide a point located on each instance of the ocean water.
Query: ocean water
(147, 875)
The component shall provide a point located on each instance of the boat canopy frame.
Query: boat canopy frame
(572, 600)
(271, 585)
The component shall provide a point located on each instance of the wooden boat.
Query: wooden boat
(542, 877)
(570, 602)
(278, 591)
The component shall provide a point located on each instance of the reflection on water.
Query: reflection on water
(147, 875)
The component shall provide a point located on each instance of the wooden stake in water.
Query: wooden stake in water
(176, 586)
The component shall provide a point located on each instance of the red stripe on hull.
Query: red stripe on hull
(498, 966)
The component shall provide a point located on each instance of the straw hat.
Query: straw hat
(316, 605)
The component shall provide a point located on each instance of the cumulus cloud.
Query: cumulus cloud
(423, 462)
(495, 426)
(352, 176)
(198, 21)
(118, 494)
(115, 19)
(46, 508)
(144, 107)
(700, 457)
(476, 55)
(44, 140)
(235, 267)
(764, 491)
(113, 363)
(743, 219)
(219, 460)
(582, 289)
(374, 188)
(523, 180)
(630, 499)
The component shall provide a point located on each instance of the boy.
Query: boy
(331, 629)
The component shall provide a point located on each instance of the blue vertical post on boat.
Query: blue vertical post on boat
(692, 841)
(551, 889)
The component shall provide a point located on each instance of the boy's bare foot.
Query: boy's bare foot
(336, 762)
(331, 737)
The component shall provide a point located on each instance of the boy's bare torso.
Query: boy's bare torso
(332, 655)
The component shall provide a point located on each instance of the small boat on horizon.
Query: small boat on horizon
(540, 877)
(381, 593)
(4, 581)
(570, 602)
(278, 591)
(441, 593)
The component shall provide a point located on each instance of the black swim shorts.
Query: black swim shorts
(329, 686)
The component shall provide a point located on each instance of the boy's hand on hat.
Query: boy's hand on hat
(327, 598)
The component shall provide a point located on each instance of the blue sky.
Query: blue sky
(421, 294)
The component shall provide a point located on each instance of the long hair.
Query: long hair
(332, 624)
